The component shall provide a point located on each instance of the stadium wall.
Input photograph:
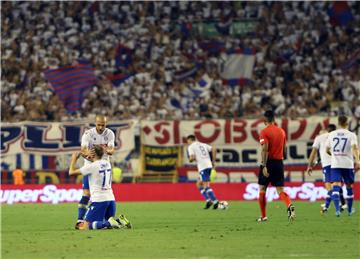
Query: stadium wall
(63, 193)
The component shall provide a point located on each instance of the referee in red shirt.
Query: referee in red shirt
(272, 140)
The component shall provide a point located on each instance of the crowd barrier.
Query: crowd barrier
(63, 193)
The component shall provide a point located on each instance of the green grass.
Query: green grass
(181, 230)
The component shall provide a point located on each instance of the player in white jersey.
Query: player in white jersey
(319, 145)
(101, 213)
(201, 153)
(98, 135)
(342, 145)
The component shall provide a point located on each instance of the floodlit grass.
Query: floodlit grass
(181, 230)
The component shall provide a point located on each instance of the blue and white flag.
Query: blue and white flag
(237, 66)
(186, 73)
(202, 86)
(352, 61)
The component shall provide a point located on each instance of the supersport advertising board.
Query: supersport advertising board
(11, 194)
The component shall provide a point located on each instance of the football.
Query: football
(223, 205)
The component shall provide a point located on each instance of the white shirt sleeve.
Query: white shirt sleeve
(316, 143)
(327, 143)
(111, 141)
(354, 140)
(85, 139)
(191, 150)
(208, 148)
(87, 169)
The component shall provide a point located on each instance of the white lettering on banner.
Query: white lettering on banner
(49, 194)
(307, 191)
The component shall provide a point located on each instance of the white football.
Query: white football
(223, 205)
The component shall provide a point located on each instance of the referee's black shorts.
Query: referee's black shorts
(276, 173)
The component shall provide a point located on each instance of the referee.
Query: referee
(272, 140)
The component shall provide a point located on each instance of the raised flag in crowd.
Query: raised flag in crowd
(237, 66)
(118, 78)
(202, 86)
(187, 72)
(70, 82)
(340, 13)
(352, 61)
(123, 56)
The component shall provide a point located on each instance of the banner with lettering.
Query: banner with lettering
(238, 139)
(161, 159)
(65, 193)
(37, 145)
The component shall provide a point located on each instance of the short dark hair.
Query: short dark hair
(269, 115)
(331, 127)
(342, 120)
(191, 137)
(99, 151)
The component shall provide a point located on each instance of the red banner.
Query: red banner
(306, 191)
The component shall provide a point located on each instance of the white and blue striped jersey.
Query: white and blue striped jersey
(100, 178)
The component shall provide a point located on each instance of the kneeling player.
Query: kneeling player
(200, 152)
(101, 213)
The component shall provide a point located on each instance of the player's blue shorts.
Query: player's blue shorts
(346, 175)
(100, 211)
(85, 182)
(204, 175)
(326, 174)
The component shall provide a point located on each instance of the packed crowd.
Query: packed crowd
(299, 68)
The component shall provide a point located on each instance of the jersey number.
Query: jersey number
(203, 151)
(106, 184)
(341, 145)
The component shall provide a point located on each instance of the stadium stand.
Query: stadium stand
(306, 58)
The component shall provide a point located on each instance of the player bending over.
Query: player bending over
(319, 145)
(101, 213)
(200, 152)
(98, 135)
(272, 140)
(342, 145)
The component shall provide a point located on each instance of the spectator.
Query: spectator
(299, 69)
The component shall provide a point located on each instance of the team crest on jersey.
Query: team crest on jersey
(106, 138)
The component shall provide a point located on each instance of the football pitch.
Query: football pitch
(181, 230)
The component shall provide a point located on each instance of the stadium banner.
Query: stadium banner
(30, 145)
(236, 28)
(301, 191)
(238, 139)
(161, 159)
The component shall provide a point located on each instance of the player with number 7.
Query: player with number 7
(101, 212)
